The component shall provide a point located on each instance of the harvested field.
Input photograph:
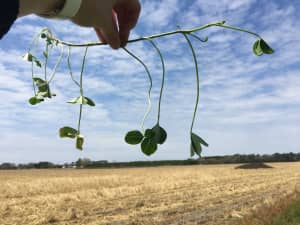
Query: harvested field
(142, 196)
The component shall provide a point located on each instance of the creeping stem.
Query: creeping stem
(197, 77)
(32, 76)
(81, 88)
(70, 67)
(46, 60)
(57, 64)
(150, 85)
(163, 76)
(189, 31)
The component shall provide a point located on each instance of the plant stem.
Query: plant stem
(150, 86)
(46, 61)
(198, 38)
(219, 24)
(70, 67)
(56, 65)
(32, 76)
(81, 89)
(238, 29)
(79, 120)
(82, 69)
(197, 78)
(163, 77)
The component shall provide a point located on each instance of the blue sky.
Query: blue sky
(248, 104)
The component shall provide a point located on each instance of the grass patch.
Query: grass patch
(290, 216)
(285, 211)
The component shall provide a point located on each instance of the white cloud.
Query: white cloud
(247, 103)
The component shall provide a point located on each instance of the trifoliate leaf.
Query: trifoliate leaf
(261, 47)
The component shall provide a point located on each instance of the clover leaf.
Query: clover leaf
(68, 132)
(79, 142)
(148, 146)
(82, 101)
(149, 133)
(196, 143)
(35, 100)
(160, 135)
(31, 58)
(134, 137)
(265, 47)
(261, 47)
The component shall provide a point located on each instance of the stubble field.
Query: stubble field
(142, 196)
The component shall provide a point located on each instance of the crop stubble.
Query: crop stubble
(141, 196)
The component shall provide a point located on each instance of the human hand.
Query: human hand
(112, 19)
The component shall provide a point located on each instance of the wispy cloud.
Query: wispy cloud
(247, 103)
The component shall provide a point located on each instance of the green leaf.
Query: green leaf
(149, 133)
(38, 81)
(28, 57)
(79, 142)
(160, 135)
(67, 132)
(196, 147)
(192, 150)
(134, 137)
(49, 41)
(38, 63)
(199, 139)
(148, 146)
(43, 87)
(89, 101)
(257, 48)
(43, 35)
(73, 101)
(82, 100)
(261, 47)
(265, 47)
(196, 144)
(35, 100)
(44, 94)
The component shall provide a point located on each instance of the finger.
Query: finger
(109, 33)
(100, 35)
(127, 18)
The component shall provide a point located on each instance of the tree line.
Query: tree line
(227, 159)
